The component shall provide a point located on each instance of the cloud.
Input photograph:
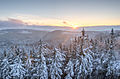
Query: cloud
(16, 21)
(10, 22)
(64, 22)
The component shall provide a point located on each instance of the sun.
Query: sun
(74, 26)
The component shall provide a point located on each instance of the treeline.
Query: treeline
(84, 58)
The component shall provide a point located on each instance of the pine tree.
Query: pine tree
(5, 68)
(69, 69)
(84, 59)
(29, 65)
(42, 71)
(84, 64)
(56, 65)
(41, 67)
(17, 68)
(111, 55)
(112, 44)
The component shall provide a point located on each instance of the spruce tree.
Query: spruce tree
(56, 65)
(69, 69)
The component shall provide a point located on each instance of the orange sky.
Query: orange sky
(65, 21)
(73, 13)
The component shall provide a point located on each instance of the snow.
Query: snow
(56, 65)
(69, 70)
(25, 32)
(17, 69)
(81, 60)
(114, 68)
(5, 67)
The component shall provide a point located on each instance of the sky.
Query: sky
(73, 13)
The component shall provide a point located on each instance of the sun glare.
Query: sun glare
(74, 26)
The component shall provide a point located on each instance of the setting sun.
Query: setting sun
(75, 26)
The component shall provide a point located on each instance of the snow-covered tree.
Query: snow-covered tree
(42, 72)
(69, 69)
(5, 68)
(114, 70)
(83, 57)
(84, 64)
(17, 69)
(111, 54)
(56, 65)
(40, 69)
(28, 64)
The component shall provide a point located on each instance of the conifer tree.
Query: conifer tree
(17, 67)
(69, 69)
(5, 68)
(111, 54)
(56, 65)
(41, 67)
